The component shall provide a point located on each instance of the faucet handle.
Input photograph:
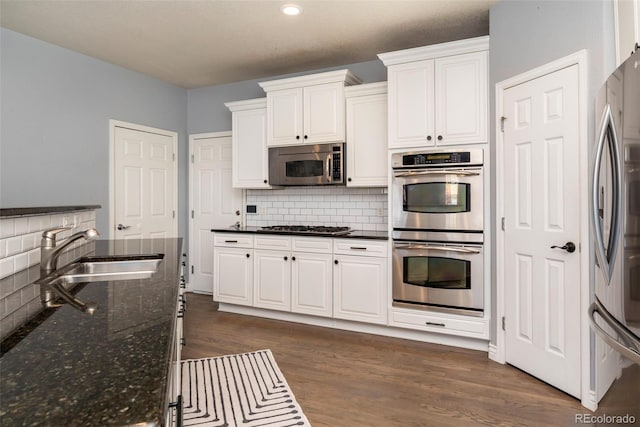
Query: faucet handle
(49, 236)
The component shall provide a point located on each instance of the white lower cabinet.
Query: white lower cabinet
(360, 281)
(340, 278)
(233, 269)
(272, 279)
(312, 283)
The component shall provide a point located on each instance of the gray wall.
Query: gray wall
(528, 34)
(206, 110)
(55, 111)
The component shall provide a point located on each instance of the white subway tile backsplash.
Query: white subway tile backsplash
(14, 245)
(20, 262)
(358, 208)
(7, 228)
(21, 226)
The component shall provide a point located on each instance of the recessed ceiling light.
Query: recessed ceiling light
(291, 9)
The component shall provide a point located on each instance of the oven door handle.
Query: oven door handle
(436, 248)
(400, 174)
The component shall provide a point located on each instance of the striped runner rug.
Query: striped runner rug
(238, 390)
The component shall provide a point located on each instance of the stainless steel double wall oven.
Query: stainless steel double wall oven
(438, 205)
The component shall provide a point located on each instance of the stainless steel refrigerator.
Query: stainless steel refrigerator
(615, 216)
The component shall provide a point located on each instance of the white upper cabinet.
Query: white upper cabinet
(367, 135)
(438, 95)
(250, 167)
(307, 109)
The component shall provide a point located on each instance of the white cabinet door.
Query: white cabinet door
(311, 284)
(323, 109)
(272, 278)
(360, 289)
(250, 154)
(411, 104)
(284, 117)
(461, 99)
(233, 275)
(367, 141)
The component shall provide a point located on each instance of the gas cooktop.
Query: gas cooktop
(306, 229)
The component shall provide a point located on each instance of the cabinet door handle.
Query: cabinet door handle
(335, 262)
(293, 258)
(439, 137)
(286, 258)
(428, 137)
(358, 248)
(248, 256)
(231, 241)
(442, 325)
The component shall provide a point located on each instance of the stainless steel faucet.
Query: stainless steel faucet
(49, 252)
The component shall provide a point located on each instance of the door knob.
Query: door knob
(123, 227)
(569, 247)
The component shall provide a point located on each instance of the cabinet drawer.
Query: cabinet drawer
(233, 240)
(434, 323)
(279, 243)
(311, 244)
(360, 247)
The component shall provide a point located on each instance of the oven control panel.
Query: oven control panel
(437, 158)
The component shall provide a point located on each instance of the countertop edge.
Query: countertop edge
(44, 210)
(355, 234)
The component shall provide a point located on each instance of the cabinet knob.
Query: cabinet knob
(286, 258)
(429, 138)
(439, 137)
(335, 262)
(293, 258)
(248, 255)
(297, 136)
(349, 179)
(265, 181)
(305, 137)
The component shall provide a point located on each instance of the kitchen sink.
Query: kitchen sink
(111, 268)
(94, 269)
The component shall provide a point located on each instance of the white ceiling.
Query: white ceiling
(200, 43)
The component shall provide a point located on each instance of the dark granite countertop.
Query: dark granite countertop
(43, 210)
(354, 234)
(65, 367)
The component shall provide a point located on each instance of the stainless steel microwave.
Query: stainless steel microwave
(320, 164)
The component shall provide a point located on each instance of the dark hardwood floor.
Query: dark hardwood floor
(351, 379)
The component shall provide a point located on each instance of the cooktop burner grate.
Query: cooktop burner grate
(306, 229)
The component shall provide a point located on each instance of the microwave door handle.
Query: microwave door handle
(631, 350)
(436, 248)
(435, 173)
(328, 167)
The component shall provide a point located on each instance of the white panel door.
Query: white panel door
(311, 284)
(272, 279)
(461, 99)
(360, 289)
(213, 202)
(541, 203)
(284, 117)
(144, 171)
(233, 275)
(323, 113)
(367, 141)
(411, 104)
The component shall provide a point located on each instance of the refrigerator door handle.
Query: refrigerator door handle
(606, 257)
(632, 350)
